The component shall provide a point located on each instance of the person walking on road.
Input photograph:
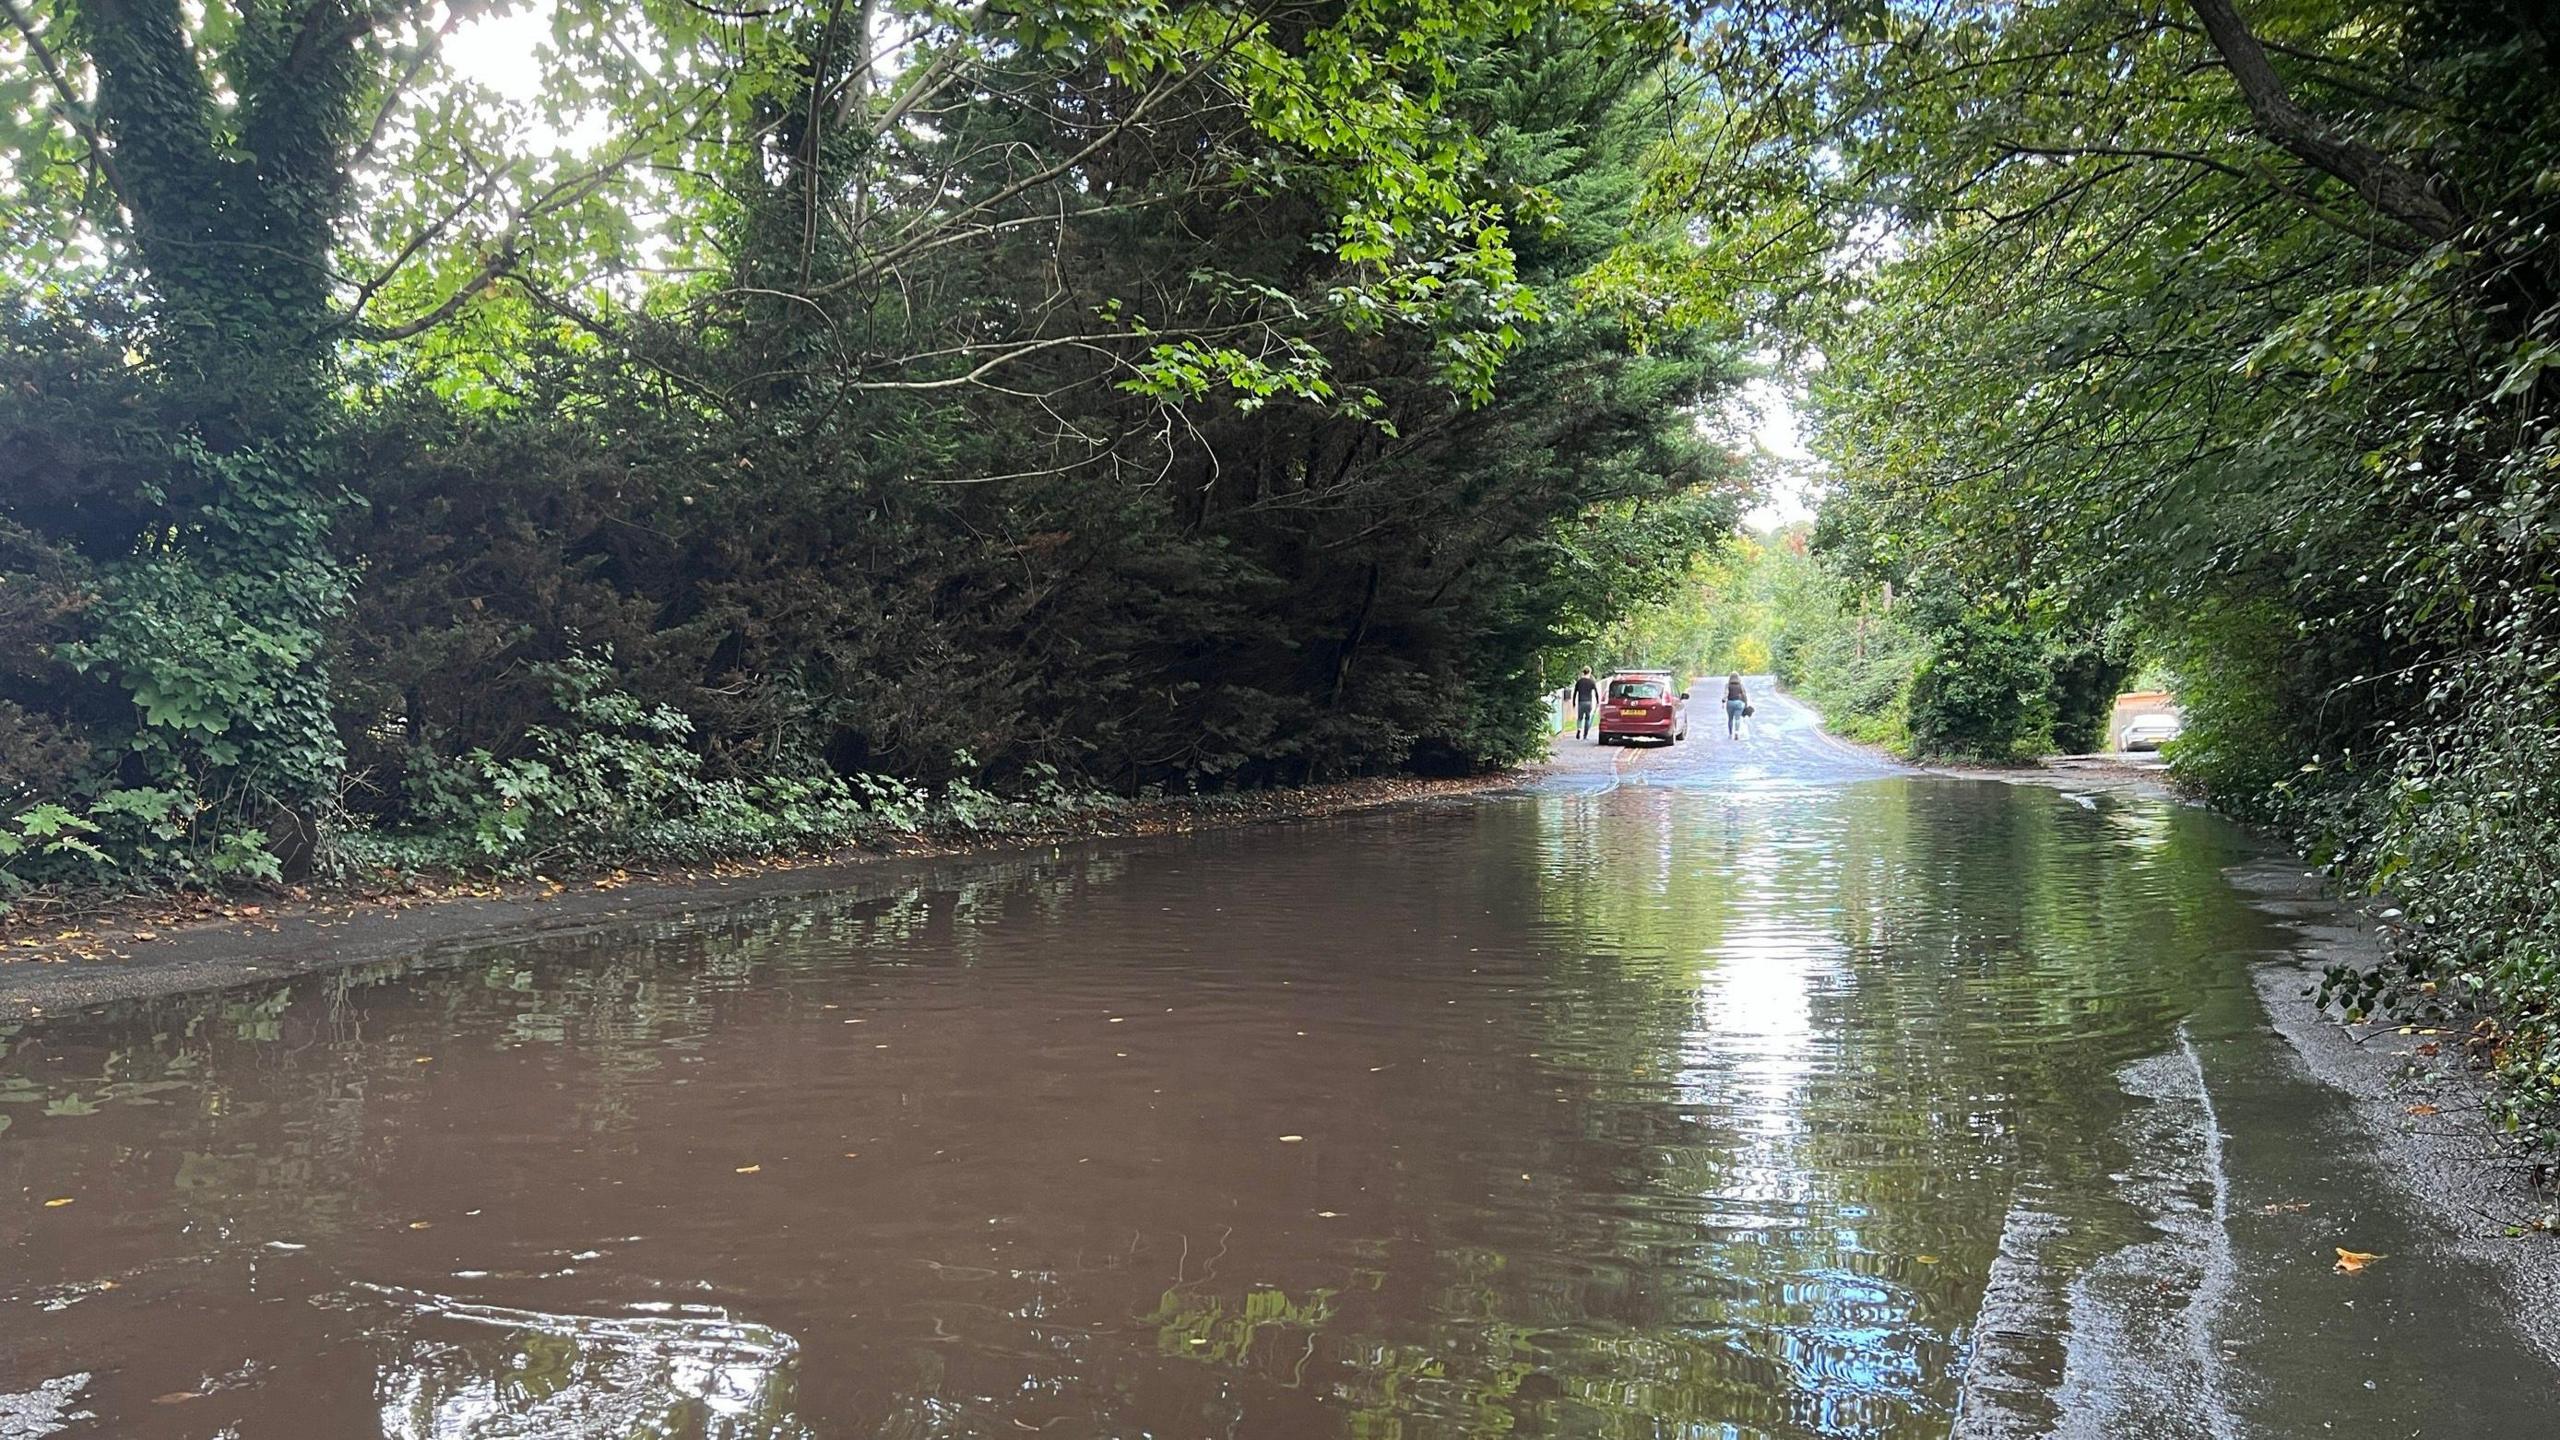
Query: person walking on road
(1586, 697)
(1737, 703)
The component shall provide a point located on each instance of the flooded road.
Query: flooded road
(1737, 1090)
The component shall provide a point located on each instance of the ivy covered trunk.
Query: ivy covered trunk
(213, 621)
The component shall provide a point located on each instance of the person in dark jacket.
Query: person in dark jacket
(1736, 701)
(1586, 698)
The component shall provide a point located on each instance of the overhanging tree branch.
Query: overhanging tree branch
(2385, 183)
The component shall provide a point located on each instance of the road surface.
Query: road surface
(1783, 743)
(1735, 1088)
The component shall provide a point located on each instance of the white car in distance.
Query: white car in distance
(2148, 732)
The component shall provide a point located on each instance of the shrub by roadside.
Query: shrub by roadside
(2458, 826)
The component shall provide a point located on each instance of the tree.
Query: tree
(2230, 320)
(804, 241)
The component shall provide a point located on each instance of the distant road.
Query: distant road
(1783, 743)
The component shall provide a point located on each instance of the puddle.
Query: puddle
(1746, 1109)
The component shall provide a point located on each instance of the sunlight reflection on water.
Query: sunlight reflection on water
(1650, 1112)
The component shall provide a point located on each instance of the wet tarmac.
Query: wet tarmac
(1741, 1088)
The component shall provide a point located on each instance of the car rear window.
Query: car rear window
(1637, 690)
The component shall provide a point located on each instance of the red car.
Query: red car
(1643, 702)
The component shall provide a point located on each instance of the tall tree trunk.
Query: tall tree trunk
(216, 623)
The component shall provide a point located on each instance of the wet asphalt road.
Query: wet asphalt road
(1782, 743)
(1748, 1087)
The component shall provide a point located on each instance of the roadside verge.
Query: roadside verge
(143, 947)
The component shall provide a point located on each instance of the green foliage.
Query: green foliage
(125, 837)
(1979, 693)
(2223, 338)
(2239, 685)
(1743, 607)
(615, 780)
(1850, 653)
(2460, 829)
(1131, 396)
(1924, 676)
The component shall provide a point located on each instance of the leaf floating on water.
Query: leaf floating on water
(1328, 1214)
(1291, 1139)
(177, 1397)
(420, 1224)
(57, 1204)
(2352, 1261)
(1926, 1259)
(749, 1169)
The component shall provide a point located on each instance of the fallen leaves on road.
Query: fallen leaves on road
(2351, 1262)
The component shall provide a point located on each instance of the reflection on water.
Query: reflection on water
(697, 1373)
(1642, 1114)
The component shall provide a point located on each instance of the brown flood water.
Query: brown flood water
(1860, 1110)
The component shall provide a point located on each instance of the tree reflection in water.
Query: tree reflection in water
(1620, 1117)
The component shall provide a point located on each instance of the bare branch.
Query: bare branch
(993, 363)
(917, 241)
(397, 90)
(812, 126)
(563, 193)
(491, 270)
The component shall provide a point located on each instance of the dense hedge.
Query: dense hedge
(770, 555)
